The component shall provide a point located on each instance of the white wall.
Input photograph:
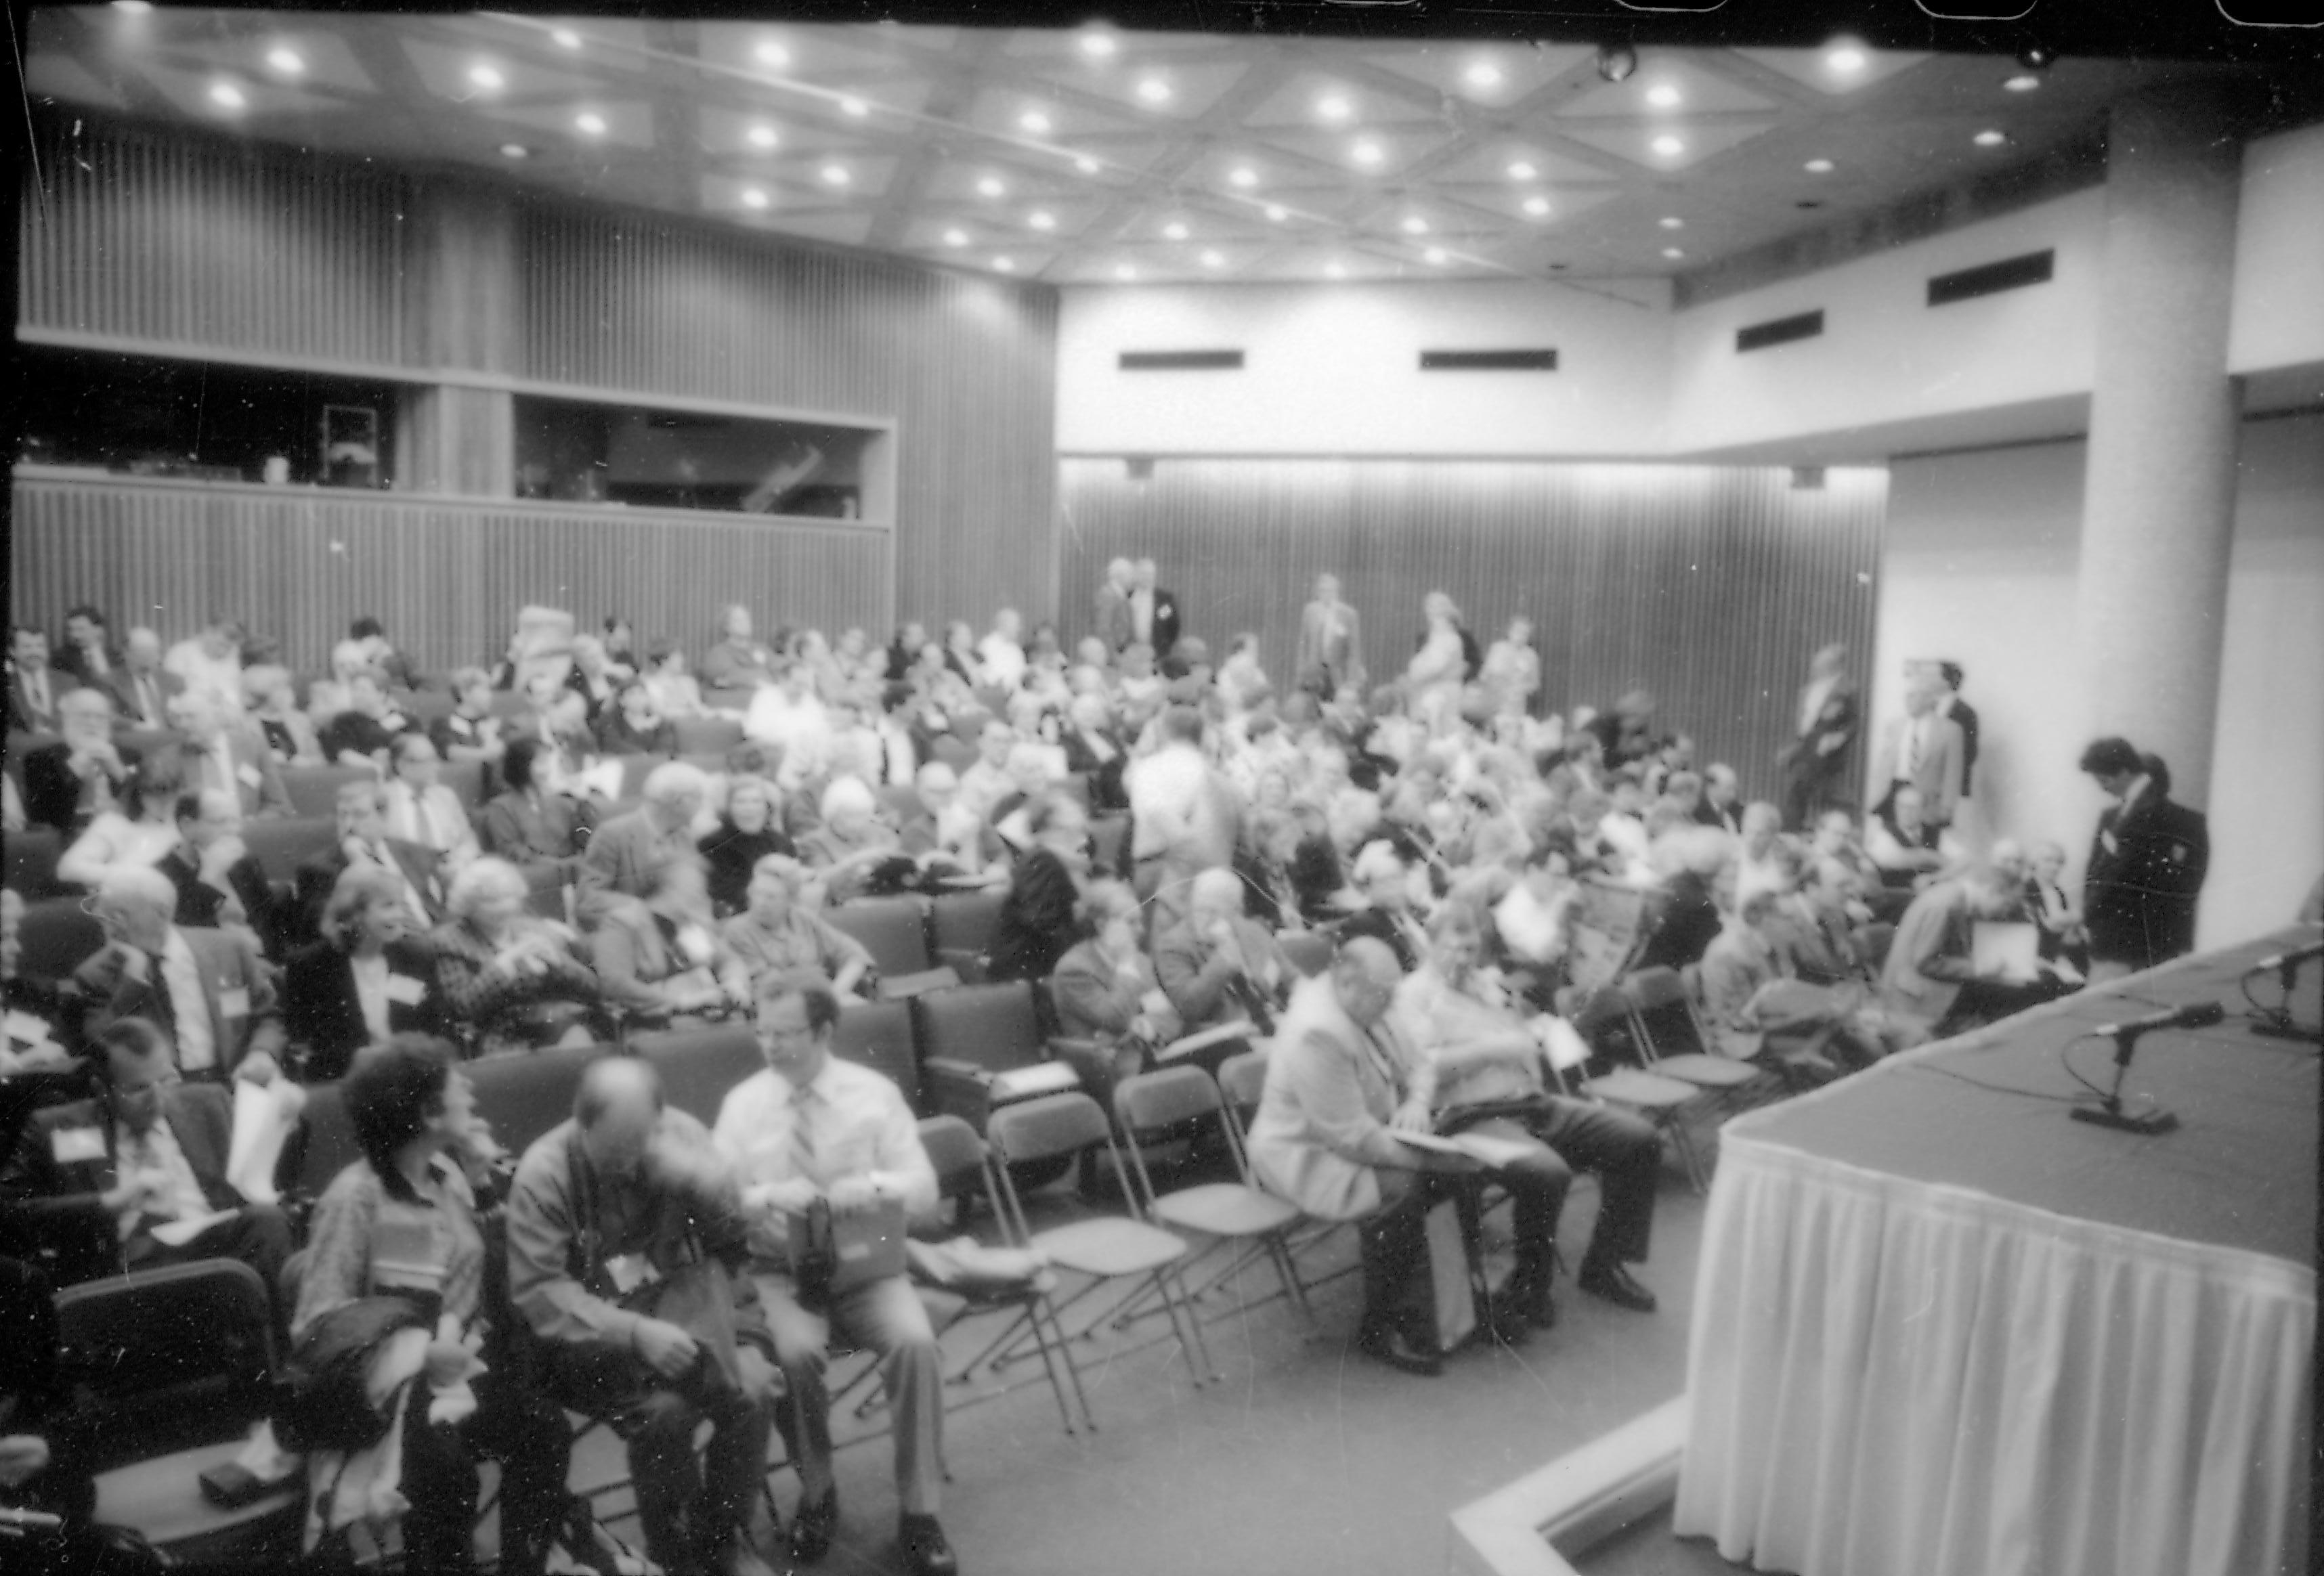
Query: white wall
(1978, 566)
(1333, 370)
(2279, 298)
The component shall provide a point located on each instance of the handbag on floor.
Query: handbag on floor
(1454, 1269)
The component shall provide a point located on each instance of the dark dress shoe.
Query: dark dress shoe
(1394, 1348)
(812, 1526)
(924, 1548)
(1613, 1283)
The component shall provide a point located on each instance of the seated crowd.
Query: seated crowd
(1480, 873)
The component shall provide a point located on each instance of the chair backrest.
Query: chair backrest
(965, 921)
(466, 779)
(699, 1066)
(736, 699)
(280, 847)
(900, 800)
(878, 1034)
(1165, 1098)
(525, 1094)
(320, 1146)
(1662, 1015)
(1309, 950)
(163, 1359)
(993, 1027)
(1046, 1128)
(1878, 936)
(706, 735)
(56, 938)
(32, 862)
(507, 704)
(635, 769)
(1108, 840)
(1243, 1079)
(894, 930)
(958, 753)
(314, 790)
(956, 1152)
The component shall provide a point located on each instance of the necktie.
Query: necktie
(163, 1004)
(1912, 748)
(803, 1104)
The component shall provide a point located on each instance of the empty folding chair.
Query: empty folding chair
(879, 1034)
(963, 925)
(895, 932)
(1666, 1102)
(1671, 1039)
(1104, 1249)
(698, 1066)
(981, 1047)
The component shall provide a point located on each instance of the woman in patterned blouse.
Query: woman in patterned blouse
(512, 979)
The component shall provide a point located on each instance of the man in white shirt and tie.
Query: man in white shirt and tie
(207, 990)
(142, 687)
(1923, 750)
(813, 1129)
(221, 753)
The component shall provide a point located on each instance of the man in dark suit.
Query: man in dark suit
(68, 783)
(212, 754)
(33, 688)
(2146, 865)
(101, 1183)
(1722, 804)
(1964, 717)
(1153, 611)
(1816, 761)
(89, 655)
(141, 686)
(361, 812)
(208, 990)
(218, 880)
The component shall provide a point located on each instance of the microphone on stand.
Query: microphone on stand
(2276, 1022)
(2154, 1119)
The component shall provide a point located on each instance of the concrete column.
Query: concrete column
(2159, 497)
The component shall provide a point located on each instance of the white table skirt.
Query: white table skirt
(1891, 1378)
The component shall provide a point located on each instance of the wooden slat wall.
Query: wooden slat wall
(1709, 586)
(446, 577)
(182, 241)
(966, 367)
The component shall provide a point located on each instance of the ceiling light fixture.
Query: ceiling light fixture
(1669, 147)
(1086, 165)
(1276, 213)
(566, 39)
(1414, 224)
(226, 95)
(2037, 57)
(1484, 74)
(1213, 260)
(1098, 46)
(286, 61)
(1040, 219)
(753, 198)
(1818, 166)
(589, 124)
(1521, 170)
(1366, 152)
(1537, 206)
(835, 175)
(1154, 90)
(1989, 138)
(486, 76)
(955, 238)
(771, 53)
(1845, 59)
(1175, 230)
(1035, 121)
(991, 185)
(1243, 175)
(762, 136)
(515, 151)
(1616, 62)
(1437, 256)
(1672, 253)
(1005, 265)
(2024, 82)
(1663, 96)
(1671, 222)
(1333, 106)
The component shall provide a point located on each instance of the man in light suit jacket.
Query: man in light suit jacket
(141, 686)
(1330, 640)
(625, 856)
(212, 754)
(361, 814)
(34, 686)
(1116, 626)
(1929, 985)
(91, 1179)
(1923, 750)
(207, 990)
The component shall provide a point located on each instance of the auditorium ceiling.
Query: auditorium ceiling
(1104, 154)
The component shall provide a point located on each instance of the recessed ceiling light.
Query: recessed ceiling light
(2024, 82)
(991, 185)
(1818, 166)
(1663, 96)
(1989, 138)
(1086, 165)
(1845, 59)
(1041, 220)
(1124, 272)
(1213, 260)
(1521, 170)
(1671, 222)
(1276, 213)
(515, 151)
(1175, 230)
(1414, 224)
(753, 198)
(1672, 253)
(226, 95)
(1366, 152)
(589, 124)
(851, 105)
(1035, 121)
(762, 136)
(1154, 90)
(771, 53)
(1243, 175)
(566, 39)
(285, 61)
(1005, 264)
(1538, 207)
(955, 238)
(1333, 106)
(835, 175)
(1484, 74)
(1669, 147)
(486, 75)
(1098, 46)
(1437, 256)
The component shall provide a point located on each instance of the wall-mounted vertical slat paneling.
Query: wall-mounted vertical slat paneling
(1709, 588)
(446, 577)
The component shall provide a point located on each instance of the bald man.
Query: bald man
(207, 990)
(1218, 964)
(626, 1247)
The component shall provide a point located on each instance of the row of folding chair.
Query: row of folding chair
(913, 939)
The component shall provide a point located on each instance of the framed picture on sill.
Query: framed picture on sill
(350, 446)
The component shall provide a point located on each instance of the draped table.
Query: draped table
(1942, 1330)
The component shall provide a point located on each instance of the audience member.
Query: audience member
(1218, 966)
(660, 958)
(142, 687)
(1385, 882)
(1758, 1007)
(509, 980)
(853, 844)
(1036, 922)
(626, 1247)
(1815, 763)
(1438, 668)
(2064, 937)
(747, 832)
(674, 690)
(1923, 750)
(625, 853)
(369, 976)
(88, 656)
(1184, 816)
(359, 817)
(739, 660)
(1104, 986)
(34, 688)
(361, 734)
(207, 990)
(776, 936)
(290, 738)
(1688, 921)
(1153, 612)
(1116, 625)
(378, 652)
(218, 880)
(814, 1133)
(135, 833)
(210, 665)
(528, 824)
(42, 1023)
(1331, 639)
(215, 751)
(469, 731)
(420, 809)
(2146, 864)
(72, 781)
(1930, 986)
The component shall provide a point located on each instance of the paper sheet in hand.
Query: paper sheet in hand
(868, 1246)
(1482, 1147)
(178, 1233)
(2005, 949)
(264, 1115)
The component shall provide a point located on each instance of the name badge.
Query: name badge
(233, 1001)
(247, 775)
(629, 1271)
(25, 1029)
(462, 726)
(75, 1146)
(406, 989)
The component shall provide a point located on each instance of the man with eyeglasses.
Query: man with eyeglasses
(207, 990)
(69, 783)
